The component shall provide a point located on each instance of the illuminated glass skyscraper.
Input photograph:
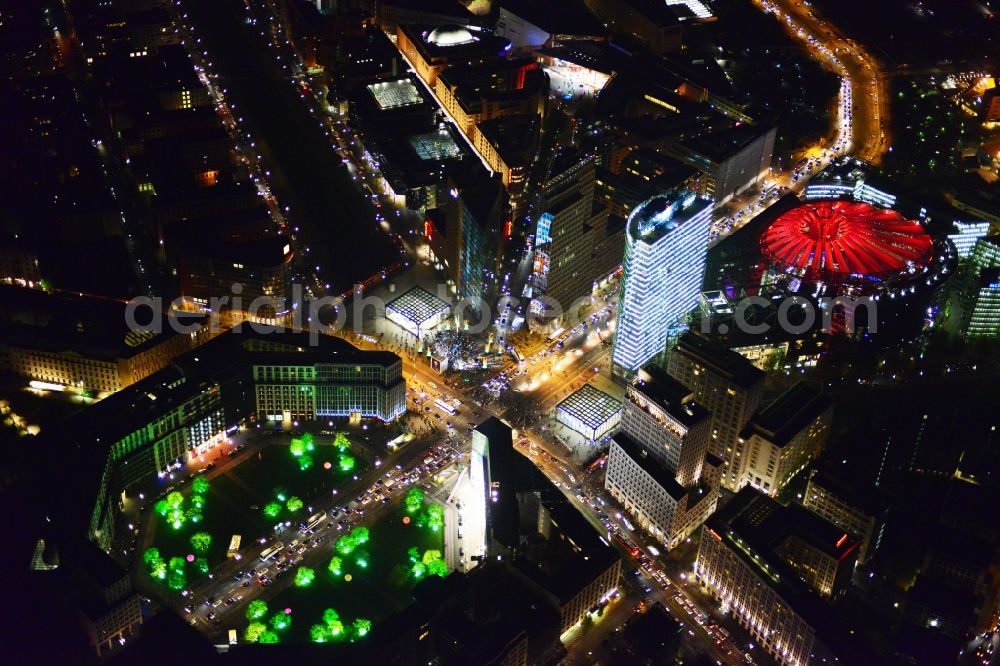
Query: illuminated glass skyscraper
(666, 240)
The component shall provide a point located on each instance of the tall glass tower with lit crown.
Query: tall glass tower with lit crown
(666, 240)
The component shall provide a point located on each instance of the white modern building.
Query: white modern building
(417, 311)
(658, 463)
(590, 412)
(666, 239)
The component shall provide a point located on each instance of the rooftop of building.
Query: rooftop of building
(502, 81)
(256, 254)
(944, 599)
(651, 466)
(417, 305)
(731, 365)
(721, 145)
(436, 145)
(789, 413)
(443, 7)
(454, 43)
(654, 633)
(591, 405)
(396, 93)
(673, 397)
(844, 487)
(655, 11)
(557, 17)
(560, 570)
(751, 525)
(90, 326)
(513, 137)
(655, 218)
(989, 278)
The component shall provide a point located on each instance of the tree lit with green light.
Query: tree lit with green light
(176, 580)
(348, 543)
(319, 633)
(199, 486)
(161, 507)
(361, 627)
(281, 621)
(341, 442)
(335, 566)
(268, 638)
(345, 462)
(253, 632)
(429, 564)
(158, 569)
(305, 462)
(256, 609)
(151, 555)
(414, 500)
(272, 509)
(201, 564)
(435, 517)
(201, 542)
(294, 504)
(304, 577)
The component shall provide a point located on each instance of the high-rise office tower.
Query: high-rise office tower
(666, 239)
(571, 237)
(728, 385)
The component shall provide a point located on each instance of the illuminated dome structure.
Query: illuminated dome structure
(450, 35)
(841, 242)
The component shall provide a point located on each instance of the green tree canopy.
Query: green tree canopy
(319, 633)
(362, 626)
(253, 632)
(304, 577)
(201, 542)
(199, 486)
(414, 500)
(256, 609)
(294, 504)
(281, 621)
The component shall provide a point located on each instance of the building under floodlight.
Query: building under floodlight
(417, 311)
(590, 412)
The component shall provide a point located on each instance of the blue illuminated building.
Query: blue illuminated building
(666, 240)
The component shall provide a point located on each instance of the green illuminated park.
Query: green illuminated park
(368, 575)
(189, 531)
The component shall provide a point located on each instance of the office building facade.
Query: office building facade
(784, 437)
(666, 240)
(983, 315)
(728, 385)
(771, 566)
(658, 466)
(575, 244)
(861, 514)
